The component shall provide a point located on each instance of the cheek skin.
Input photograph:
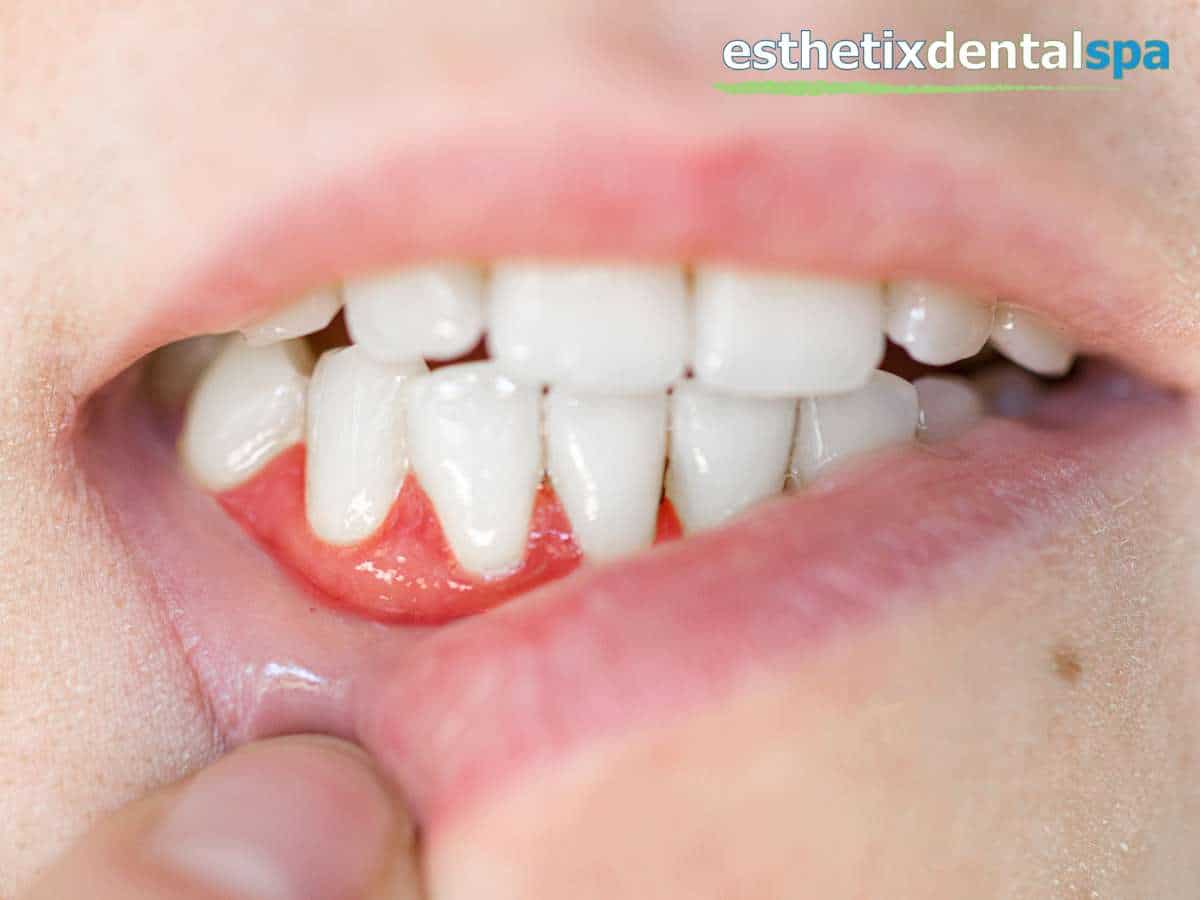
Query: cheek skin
(1029, 741)
(97, 703)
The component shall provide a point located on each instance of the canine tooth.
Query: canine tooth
(605, 455)
(727, 452)
(305, 316)
(1030, 341)
(609, 329)
(247, 408)
(175, 369)
(434, 311)
(356, 459)
(949, 406)
(830, 429)
(937, 325)
(474, 442)
(1008, 390)
(782, 336)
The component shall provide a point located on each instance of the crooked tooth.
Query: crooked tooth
(949, 406)
(605, 455)
(937, 325)
(356, 459)
(474, 442)
(1030, 341)
(618, 329)
(830, 429)
(306, 316)
(781, 336)
(727, 453)
(247, 408)
(434, 311)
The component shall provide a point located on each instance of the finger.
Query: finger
(286, 819)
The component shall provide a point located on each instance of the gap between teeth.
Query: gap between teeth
(784, 383)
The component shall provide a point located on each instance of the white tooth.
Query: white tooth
(356, 459)
(949, 406)
(936, 325)
(175, 368)
(609, 329)
(727, 453)
(781, 336)
(605, 455)
(1008, 391)
(306, 316)
(247, 408)
(1031, 341)
(830, 429)
(435, 312)
(474, 442)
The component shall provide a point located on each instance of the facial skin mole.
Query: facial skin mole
(1067, 664)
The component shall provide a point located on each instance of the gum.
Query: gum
(405, 573)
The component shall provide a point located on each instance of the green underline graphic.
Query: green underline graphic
(826, 88)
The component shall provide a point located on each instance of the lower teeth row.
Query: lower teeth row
(480, 443)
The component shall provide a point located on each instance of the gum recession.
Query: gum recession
(406, 572)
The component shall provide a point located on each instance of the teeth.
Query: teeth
(356, 456)
(1030, 341)
(618, 329)
(781, 336)
(936, 325)
(1008, 391)
(727, 453)
(434, 312)
(247, 408)
(949, 406)
(606, 456)
(306, 316)
(829, 429)
(473, 439)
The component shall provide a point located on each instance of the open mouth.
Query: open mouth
(610, 408)
(475, 515)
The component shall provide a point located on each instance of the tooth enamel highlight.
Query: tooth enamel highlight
(435, 312)
(609, 329)
(356, 459)
(474, 442)
(775, 335)
(1030, 341)
(306, 316)
(830, 429)
(949, 406)
(605, 455)
(247, 408)
(727, 453)
(936, 325)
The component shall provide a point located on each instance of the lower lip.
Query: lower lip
(458, 711)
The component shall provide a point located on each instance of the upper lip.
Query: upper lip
(837, 195)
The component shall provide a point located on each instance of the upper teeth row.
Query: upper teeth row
(638, 328)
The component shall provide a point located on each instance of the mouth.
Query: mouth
(477, 515)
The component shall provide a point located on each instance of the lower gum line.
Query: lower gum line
(404, 567)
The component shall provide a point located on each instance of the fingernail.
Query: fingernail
(283, 820)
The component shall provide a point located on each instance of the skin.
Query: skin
(1031, 731)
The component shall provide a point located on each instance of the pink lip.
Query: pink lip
(456, 712)
(843, 195)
